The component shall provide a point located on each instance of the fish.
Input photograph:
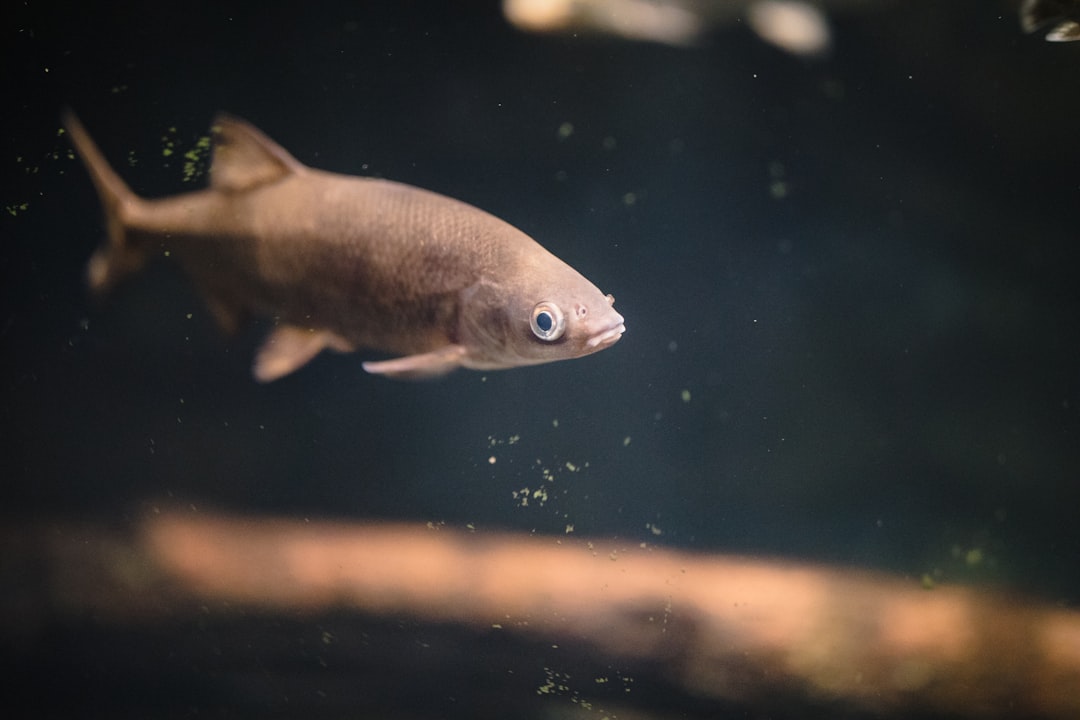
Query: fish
(795, 26)
(349, 263)
(1058, 19)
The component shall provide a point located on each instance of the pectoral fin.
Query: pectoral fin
(290, 347)
(229, 315)
(419, 367)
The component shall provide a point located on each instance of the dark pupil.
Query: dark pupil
(544, 321)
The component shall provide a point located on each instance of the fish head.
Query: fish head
(545, 312)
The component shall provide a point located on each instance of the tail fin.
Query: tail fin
(118, 257)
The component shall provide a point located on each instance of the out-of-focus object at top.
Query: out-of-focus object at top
(671, 23)
(1059, 18)
(795, 26)
(798, 27)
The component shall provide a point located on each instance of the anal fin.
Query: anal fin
(419, 367)
(289, 348)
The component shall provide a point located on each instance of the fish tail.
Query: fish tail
(118, 256)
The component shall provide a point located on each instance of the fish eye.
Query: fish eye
(547, 321)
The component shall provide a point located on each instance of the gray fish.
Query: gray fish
(348, 263)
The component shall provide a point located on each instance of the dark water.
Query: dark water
(850, 284)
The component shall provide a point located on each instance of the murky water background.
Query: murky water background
(849, 283)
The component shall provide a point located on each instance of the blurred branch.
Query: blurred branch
(718, 626)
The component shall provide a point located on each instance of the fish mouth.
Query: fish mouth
(608, 335)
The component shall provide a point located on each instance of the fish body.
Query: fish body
(347, 263)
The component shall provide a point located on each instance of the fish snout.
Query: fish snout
(610, 329)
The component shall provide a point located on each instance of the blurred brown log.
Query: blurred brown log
(722, 627)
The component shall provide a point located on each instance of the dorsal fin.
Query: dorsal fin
(245, 158)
